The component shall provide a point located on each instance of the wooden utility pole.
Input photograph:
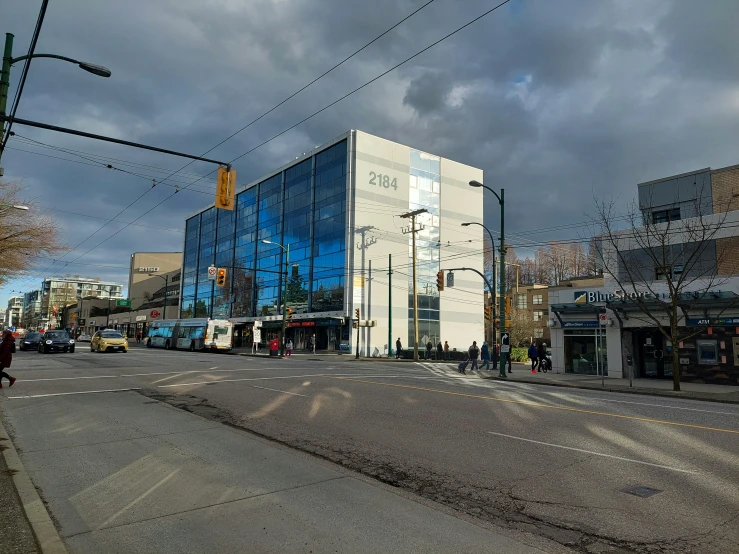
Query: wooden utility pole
(413, 230)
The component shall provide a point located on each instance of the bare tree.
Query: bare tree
(26, 235)
(523, 327)
(665, 267)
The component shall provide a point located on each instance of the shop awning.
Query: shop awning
(691, 304)
(575, 308)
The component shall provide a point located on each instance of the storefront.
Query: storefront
(331, 334)
(603, 331)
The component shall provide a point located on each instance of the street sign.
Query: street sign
(126, 303)
(450, 279)
(505, 339)
(212, 273)
(154, 314)
(504, 348)
(92, 323)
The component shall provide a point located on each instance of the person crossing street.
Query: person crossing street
(473, 352)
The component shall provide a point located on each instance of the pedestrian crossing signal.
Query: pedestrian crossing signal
(221, 277)
(440, 281)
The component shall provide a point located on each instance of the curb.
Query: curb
(685, 395)
(47, 537)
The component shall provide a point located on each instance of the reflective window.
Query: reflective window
(424, 193)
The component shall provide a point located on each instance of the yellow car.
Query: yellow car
(108, 341)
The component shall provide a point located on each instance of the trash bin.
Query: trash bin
(274, 347)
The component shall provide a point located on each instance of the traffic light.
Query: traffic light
(440, 281)
(225, 188)
(356, 314)
(289, 316)
(507, 305)
(488, 312)
(221, 277)
(356, 324)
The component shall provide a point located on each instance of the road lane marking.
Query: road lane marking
(135, 375)
(198, 383)
(277, 390)
(70, 393)
(540, 405)
(595, 453)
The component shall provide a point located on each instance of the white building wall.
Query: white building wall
(377, 209)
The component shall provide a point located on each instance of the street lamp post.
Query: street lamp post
(492, 289)
(166, 286)
(9, 60)
(280, 292)
(501, 281)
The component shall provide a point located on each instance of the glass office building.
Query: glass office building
(337, 210)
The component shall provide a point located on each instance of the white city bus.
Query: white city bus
(191, 334)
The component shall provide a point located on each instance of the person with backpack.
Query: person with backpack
(485, 356)
(7, 347)
(473, 352)
(534, 355)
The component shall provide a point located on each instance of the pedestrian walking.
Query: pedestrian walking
(439, 351)
(398, 349)
(534, 355)
(446, 350)
(473, 352)
(289, 347)
(7, 347)
(429, 351)
(485, 356)
(312, 344)
(138, 338)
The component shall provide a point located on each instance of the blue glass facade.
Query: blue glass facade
(425, 192)
(303, 206)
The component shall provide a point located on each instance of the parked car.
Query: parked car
(56, 341)
(84, 338)
(30, 341)
(108, 341)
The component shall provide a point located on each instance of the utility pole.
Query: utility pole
(502, 281)
(363, 245)
(412, 229)
(390, 305)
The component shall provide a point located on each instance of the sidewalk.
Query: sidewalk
(654, 387)
(122, 472)
(16, 536)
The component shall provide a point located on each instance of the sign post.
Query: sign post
(212, 273)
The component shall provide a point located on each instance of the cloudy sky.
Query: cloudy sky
(558, 102)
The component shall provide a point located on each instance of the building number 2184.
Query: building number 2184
(380, 180)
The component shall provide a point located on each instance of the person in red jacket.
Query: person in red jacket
(6, 356)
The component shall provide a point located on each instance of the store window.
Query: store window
(537, 299)
(585, 354)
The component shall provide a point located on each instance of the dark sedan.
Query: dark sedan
(56, 341)
(30, 341)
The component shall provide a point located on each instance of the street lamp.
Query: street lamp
(501, 281)
(166, 286)
(492, 292)
(280, 292)
(9, 60)
(14, 206)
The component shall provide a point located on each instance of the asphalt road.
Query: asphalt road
(552, 463)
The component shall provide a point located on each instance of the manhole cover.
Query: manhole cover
(642, 492)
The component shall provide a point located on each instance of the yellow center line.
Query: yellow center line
(540, 405)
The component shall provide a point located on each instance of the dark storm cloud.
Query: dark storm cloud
(556, 101)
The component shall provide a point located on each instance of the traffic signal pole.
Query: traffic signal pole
(501, 282)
